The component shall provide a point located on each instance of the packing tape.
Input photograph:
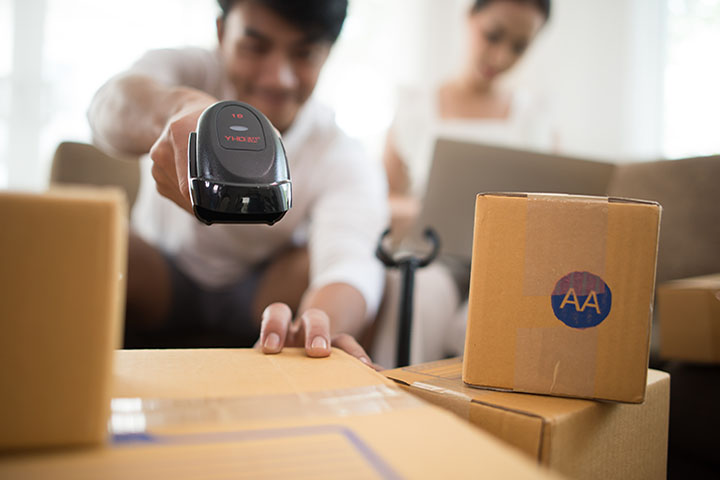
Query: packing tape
(564, 237)
(556, 360)
(140, 415)
(449, 398)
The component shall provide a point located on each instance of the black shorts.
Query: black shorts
(205, 317)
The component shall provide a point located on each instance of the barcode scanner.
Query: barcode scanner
(237, 167)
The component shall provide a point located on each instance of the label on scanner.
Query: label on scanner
(239, 129)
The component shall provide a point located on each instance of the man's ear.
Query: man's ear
(220, 26)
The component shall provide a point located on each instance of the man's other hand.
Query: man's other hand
(311, 330)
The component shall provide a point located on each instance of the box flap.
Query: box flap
(569, 196)
(446, 377)
(245, 372)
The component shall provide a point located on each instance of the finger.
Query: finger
(165, 185)
(179, 134)
(162, 182)
(169, 155)
(163, 168)
(316, 326)
(274, 327)
(349, 345)
(161, 153)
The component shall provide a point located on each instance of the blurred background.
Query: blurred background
(629, 80)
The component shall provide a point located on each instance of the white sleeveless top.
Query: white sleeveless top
(417, 126)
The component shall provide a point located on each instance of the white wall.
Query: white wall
(601, 64)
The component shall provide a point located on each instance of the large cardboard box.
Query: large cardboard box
(62, 291)
(241, 414)
(561, 295)
(689, 317)
(582, 439)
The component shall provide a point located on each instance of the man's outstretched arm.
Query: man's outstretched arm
(136, 114)
(130, 111)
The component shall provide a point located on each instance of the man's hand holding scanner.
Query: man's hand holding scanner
(169, 153)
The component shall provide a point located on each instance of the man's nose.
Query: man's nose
(278, 72)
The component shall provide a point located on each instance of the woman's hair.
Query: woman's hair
(542, 5)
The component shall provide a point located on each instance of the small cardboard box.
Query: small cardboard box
(582, 439)
(561, 295)
(241, 414)
(689, 318)
(62, 297)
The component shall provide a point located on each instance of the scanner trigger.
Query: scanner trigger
(192, 155)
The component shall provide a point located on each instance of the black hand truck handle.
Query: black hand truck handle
(407, 265)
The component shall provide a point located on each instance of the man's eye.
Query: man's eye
(306, 54)
(519, 48)
(493, 37)
(254, 48)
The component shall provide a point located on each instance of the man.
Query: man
(182, 273)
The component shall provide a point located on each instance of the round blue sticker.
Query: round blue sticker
(581, 300)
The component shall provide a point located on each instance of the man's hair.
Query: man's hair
(542, 5)
(319, 19)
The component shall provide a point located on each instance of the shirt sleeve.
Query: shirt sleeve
(347, 219)
(191, 67)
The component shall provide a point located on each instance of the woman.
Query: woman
(471, 106)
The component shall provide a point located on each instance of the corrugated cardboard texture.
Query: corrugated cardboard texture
(62, 296)
(582, 439)
(689, 314)
(522, 247)
(408, 440)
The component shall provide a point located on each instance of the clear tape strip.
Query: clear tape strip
(139, 415)
(442, 391)
(451, 399)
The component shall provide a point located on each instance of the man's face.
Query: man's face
(273, 65)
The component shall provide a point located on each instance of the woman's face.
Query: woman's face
(500, 33)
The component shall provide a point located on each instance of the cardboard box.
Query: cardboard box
(62, 299)
(242, 414)
(582, 439)
(561, 292)
(689, 316)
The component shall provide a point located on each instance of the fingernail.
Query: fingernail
(319, 343)
(272, 342)
(365, 360)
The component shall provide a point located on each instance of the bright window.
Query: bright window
(80, 44)
(692, 79)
